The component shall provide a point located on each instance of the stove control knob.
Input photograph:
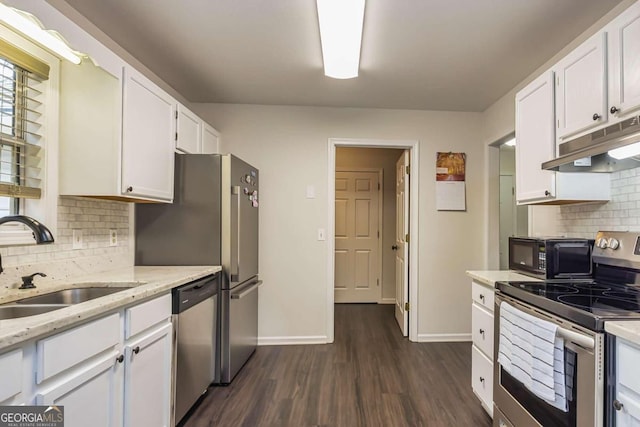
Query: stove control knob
(602, 243)
(614, 243)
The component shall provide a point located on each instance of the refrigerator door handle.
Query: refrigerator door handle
(246, 291)
(235, 262)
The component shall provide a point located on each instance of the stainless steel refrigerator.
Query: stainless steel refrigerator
(213, 220)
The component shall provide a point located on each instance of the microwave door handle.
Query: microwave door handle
(235, 262)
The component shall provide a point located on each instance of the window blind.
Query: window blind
(21, 121)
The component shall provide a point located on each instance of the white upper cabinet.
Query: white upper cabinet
(210, 140)
(582, 87)
(188, 131)
(148, 133)
(535, 140)
(624, 62)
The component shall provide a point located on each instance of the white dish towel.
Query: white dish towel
(531, 351)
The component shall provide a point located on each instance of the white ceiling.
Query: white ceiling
(457, 55)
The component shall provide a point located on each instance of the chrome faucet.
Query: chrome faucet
(41, 233)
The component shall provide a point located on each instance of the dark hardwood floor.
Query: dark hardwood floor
(370, 376)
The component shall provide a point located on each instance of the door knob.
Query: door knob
(129, 189)
(136, 350)
(617, 405)
(596, 116)
(120, 358)
(614, 109)
(394, 247)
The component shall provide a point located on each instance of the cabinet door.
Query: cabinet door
(535, 140)
(188, 132)
(582, 87)
(210, 140)
(147, 379)
(148, 135)
(624, 65)
(90, 397)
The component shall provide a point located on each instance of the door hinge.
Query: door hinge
(378, 186)
(513, 191)
(558, 125)
(406, 306)
(378, 234)
(408, 169)
(176, 136)
(176, 114)
(377, 282)
(557, 80)
(406, 238)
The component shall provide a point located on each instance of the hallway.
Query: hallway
(370, 376)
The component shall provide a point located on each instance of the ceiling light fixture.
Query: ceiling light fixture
(29, 28)
(510, 143)
(341, 24)
(626, 151)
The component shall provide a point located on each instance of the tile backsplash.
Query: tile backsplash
(95, 218)
(622, 213)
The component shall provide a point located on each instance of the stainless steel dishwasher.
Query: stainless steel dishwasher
(195, 322)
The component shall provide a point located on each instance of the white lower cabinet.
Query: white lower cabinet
(147, 379)
(112, 371)
(627, 384)
(482, 331)
(89, 396)
(11, 375)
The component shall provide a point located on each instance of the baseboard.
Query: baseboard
(317, 339)
(444, 337)
(387, 301)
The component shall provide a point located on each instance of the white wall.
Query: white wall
(385, 159)
(290, 147)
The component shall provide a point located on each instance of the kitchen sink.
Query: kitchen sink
(11, 311)
(72, 296)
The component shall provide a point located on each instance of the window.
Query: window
(20, 123)
(28, 135)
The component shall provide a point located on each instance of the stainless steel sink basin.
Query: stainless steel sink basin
(15, 311)
(71, 296)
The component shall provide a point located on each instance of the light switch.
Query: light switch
(321, 234)
(311, 192)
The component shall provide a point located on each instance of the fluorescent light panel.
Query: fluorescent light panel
(626, 151)
(33, 31)
(341, 24)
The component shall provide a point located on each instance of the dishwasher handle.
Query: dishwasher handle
(246, 291)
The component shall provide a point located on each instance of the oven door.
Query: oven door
(584, 378)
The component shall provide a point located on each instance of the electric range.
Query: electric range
(612, 294)
(579, 308)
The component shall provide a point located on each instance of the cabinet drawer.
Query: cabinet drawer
(627, 366)
(482, 295)
(66, 349)
(11, 374)
(482, 377)
(482, 329)
(145, 315)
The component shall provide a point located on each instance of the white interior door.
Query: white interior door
(401, 247)
(357, 237)
(507, 217)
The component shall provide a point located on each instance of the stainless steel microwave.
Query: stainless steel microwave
(551, 258)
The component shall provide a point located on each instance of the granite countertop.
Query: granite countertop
(145, 281)
(490, 277)
(629, 330)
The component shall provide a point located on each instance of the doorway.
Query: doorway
(354, 276)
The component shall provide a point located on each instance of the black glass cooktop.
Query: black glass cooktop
(587, 303)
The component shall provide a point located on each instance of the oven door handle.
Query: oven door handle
(582, 340)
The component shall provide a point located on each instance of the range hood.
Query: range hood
(588, 153)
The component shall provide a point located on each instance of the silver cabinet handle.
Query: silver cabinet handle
(617, 405)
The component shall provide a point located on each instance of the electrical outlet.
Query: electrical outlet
(113, 238)
(77, 239)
